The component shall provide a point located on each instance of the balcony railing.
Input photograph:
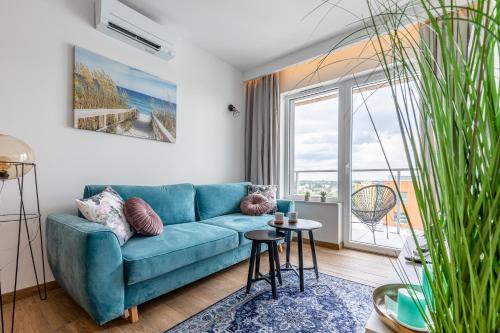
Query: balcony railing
(397, 173)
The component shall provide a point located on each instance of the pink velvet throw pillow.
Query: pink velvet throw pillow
(142, 217)
(255, 204)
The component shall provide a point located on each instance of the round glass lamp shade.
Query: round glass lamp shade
(13, 153)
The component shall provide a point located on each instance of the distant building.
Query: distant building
(409, 200)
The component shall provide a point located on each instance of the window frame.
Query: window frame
(404, 197)
(289, 149)
(403, 219)
(358, 80)
(345, 86)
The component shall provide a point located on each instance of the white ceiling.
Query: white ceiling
(249, 33)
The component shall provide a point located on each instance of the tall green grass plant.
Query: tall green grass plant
(449, 121)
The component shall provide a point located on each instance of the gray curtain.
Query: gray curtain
(262, 130)
(429, 40)
(430, 45)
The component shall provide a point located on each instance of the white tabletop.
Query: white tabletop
(413, 271)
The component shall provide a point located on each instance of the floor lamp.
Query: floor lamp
(16, 162)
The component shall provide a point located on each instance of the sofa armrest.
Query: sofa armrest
(86, 260)
(285, 206)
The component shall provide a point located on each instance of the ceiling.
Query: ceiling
(249, 33)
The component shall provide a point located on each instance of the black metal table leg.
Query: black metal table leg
(301, 261)
(250, 267)
(257, 261)
(288, 242)
(271, 269)
(313, 251)
(277, 262)
(299, 227)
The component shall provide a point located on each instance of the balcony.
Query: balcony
(393, 229)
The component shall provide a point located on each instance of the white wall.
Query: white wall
(36, 63)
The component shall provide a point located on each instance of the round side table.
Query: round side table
(270, 238)
(298, 227)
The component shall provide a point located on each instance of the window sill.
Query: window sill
(316, 201)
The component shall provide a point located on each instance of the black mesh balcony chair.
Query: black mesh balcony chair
(371, 203)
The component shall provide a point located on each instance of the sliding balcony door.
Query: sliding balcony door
(372, 104)
(331, 146)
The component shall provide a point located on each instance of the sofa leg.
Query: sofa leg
(280, 247)
(126, 314)
(134, 314)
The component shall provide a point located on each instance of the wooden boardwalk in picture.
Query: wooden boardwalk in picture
(160, 131)
(143, 125)
(81, 116)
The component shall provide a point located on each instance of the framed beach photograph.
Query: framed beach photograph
(111, 97)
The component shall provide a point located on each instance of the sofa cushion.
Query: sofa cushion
(255, 204)
(142, 217)
(179, 245)
(269, 191)
(106, 208)
(173, 203)
(240, 223)
(219, 199)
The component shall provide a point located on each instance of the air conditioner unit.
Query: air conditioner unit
(121, 22)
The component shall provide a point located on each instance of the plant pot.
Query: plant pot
(323, 199)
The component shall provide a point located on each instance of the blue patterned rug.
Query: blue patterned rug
(330, 304)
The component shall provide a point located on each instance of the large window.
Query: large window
(313, 143)
(315, 162)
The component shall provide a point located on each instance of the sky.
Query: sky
(129, 77)
(316, 137)
(366, 149)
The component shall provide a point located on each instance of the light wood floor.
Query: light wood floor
(61, 314)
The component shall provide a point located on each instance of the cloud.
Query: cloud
(316, 136)
(366, 149)
(330, 137)
(362, 136)
(369, 155)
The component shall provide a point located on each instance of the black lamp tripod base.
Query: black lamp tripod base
(23, 217)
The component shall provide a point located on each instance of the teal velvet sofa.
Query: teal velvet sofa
(203, 233)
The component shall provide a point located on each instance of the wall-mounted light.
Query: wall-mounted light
(234, 110)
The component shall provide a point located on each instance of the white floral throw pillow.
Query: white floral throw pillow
(106, 208)
(269, 191)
